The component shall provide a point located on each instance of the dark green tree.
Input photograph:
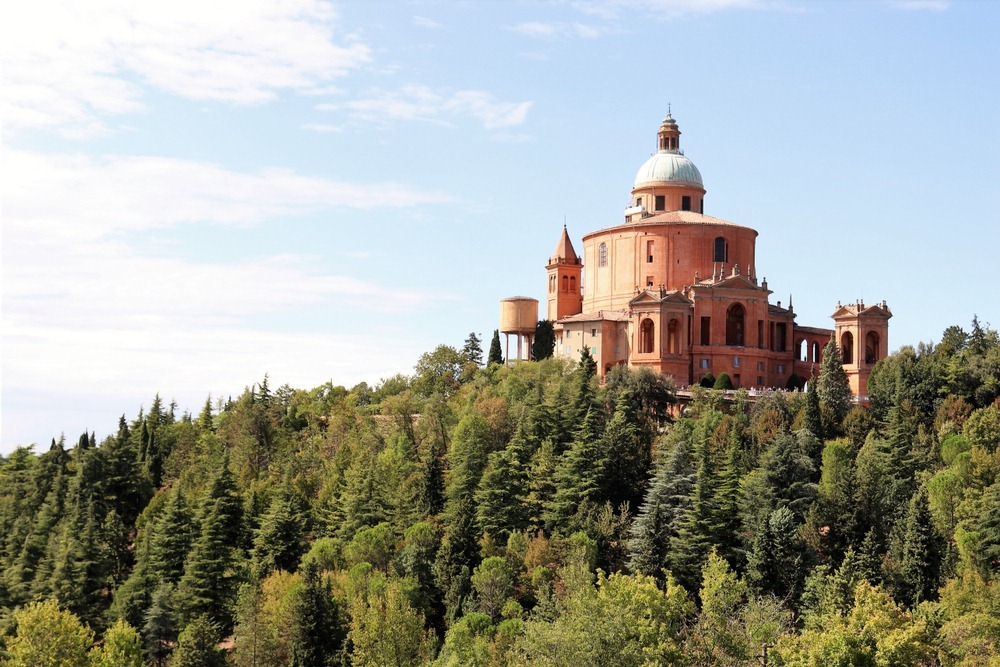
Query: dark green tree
(723, 382)
(315, 635)
(198, 645)
(159, 629)
(280, 541)
(209, 585)
(777, 562)
(544, 343)
(496, 352)
(472, 350)
(920, 563)
(834, 388)
(499, 497)
(579, 477)
(814, 415)
(627, 444)
(171, 539)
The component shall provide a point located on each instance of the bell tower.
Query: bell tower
(564, 296)
(862, 334)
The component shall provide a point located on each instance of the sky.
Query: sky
(195, 195)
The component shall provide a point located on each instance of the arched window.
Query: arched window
(871, 347)
(552, 283)
(646, 331)
(572, 284)
(815, 352)
(734, 324)
(720, 254)
(847, 347)
(801, 348)
(673, 338)
(602, 254)
(565, 281)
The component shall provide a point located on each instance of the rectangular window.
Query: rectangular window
(706, 330)
(760, 365)
(736, 380)
(649, 251)
(593, 351)
(649, 281)
(760, 380)
(781, 369)
(685, 203)
(593, 333)
(704, 363)
(736, 362)
(660, 202)
(702, 206)
(760, 336)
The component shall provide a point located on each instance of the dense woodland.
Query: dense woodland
(477, 514)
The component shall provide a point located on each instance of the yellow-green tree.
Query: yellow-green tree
(49, 636)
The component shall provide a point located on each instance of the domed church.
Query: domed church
(678, 291)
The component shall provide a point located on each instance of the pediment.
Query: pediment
(736, 282)
(657, 298)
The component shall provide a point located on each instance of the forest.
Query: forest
(475, 513)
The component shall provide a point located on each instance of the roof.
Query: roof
(564, 252)
(819, 331)
(609, 315)
(668, 166)
(672, 218)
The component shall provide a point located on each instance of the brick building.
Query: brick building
(677, 290)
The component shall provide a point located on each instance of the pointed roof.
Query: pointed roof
(564, 253)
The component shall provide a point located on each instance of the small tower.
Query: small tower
(518, 316)
(564, 292)
(862, 333)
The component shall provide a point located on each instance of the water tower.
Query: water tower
(519, 316)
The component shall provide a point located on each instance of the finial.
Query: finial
(668, 108)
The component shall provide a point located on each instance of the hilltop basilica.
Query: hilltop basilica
(678, 291)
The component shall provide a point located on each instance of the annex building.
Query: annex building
(678, 291)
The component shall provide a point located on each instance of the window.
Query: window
(646, 331)
(660, 202)
(781, 369)
(734, 325)
(760, 380)
(706, 330)
(847, 347)
(815, 352)
(871, 347)
(673, 344)
(649, 252)
(638, 201)
(565, 284)
(736, 362)
(782, 340)
(701, 206)
(593, 333)
(572, 284)
(760, 366)
(602, 254)
(760, 335)
(685, 203)
(721, 250)
(649, 281)
(704, 363)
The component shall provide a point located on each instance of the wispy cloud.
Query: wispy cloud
(85, 304)
(69, 65)
(424, 22)
(560, 30)
(612, 9)
(920, 5)
(421, 103)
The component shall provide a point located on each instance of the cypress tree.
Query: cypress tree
(544, 343)
(814, 415)
(834, 387)
(496, 353)
(919, 566)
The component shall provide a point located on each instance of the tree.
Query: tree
(439, 371)
(122, 647)
(921, 554)
(834, 387)
(496, 352)
(544, 343)
(198, 645)
(279, 541)
(160, 628)
(580, 474)
(315, 634)
(814, 415)
(208, 584)
(387, 630)
(723, 382)
(493, 582)
(499, 498)
(627, 441)
(47, 635)
(171, 540)
(473, 349)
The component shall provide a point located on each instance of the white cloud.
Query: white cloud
(424, 22)
(423, 104)
(559, 30)
(612, 9)
(921, 5)
(68, 64)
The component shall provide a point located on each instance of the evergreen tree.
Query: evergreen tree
(627, 443)
(723, 382)
(777, 563)
(830, 527)
(500, 505)
(659, 516)
(496, 352)
(473, 349)
(698, 528)
(208, 586)
(280, 540)
(315, 634)
(579, 476)
(544, 343)
(920, 564)
(814, 415)
(433, 478)
(988, 528)
(834, 388)
(160, 627)
(171, 539)
(198, 645)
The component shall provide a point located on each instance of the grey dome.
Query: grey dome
(668, 167)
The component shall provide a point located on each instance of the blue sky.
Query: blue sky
(196, 194)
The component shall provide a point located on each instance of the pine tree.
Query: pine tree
(315, 634)
(777, 563)
(280, 540)
(160, 627)
(627, 443)
(171, 540)
(814, 415)
(496, 352)
(433, 482)
(698, 528)
(920, 564)
(207, 586)
(473, 349)
(579, 476)
(659, 516)
(500, 506)
(834, 387)
(198, 645)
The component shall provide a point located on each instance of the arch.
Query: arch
(847, 347)
(552, 283)
(735, 317)
(673, 337)
(815, 353)
(572, 284)
(801, 349)
(602, 254)
(565, 284)
(871, 347)
(720, 249)
(646, 336)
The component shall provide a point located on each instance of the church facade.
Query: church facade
(678, 291)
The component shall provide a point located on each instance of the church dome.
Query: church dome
(668, 166)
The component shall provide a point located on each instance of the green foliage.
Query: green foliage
(198, 645)
(47, 635)
(833, 387)
(723, 382)
(387, 630)
(544, 343)
(493, 583)
(122, 647)
(496, 353)
(315, 635)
